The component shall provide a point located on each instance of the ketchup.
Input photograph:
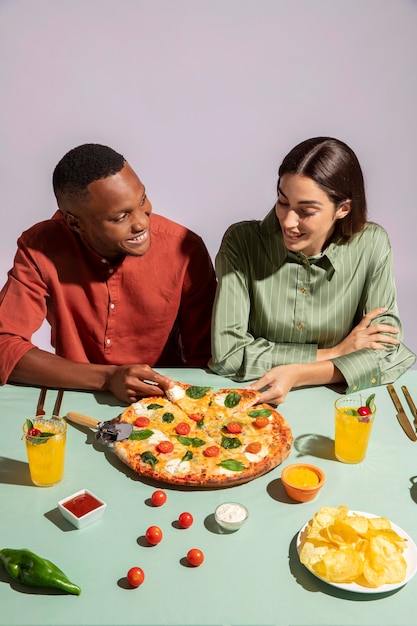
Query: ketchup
(82, 504)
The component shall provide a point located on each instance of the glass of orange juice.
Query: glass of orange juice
(354, 417)
(45, 438)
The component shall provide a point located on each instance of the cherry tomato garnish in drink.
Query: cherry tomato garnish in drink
(153, 535)
(234, 427)
(254, 447)
(135, 576)
(34, 432)
(159, 497)
(364, 410)
(261, 422)
(211, 451)
(182, 428)
(185, 520)
(142, 421)
(196, 417)
(165, 447)
(195, 557)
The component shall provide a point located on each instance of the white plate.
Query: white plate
(410, 555)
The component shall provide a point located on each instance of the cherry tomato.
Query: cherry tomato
(165, 447)
(185, 520)
(211, 451)
(364, 410)
(261, 422)
(253, 447)
(142, 421)
(196, 417)
(195, 557)
(183, 428)
(135, 576)
(159, 497)
(234, 427)
(34, 432)
(153, 535)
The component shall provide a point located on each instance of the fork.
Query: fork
(41, 401)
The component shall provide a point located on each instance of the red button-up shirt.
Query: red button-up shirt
(153, 309)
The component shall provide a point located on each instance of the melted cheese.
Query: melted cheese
(176, 392)
(219, 399)
(157, 437)
(256, 458)
(176, 466)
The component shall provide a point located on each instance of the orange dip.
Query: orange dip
(302, 477)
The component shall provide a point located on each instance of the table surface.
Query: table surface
(252, 577)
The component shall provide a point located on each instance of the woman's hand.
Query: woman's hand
(277, 383)
(364, 335)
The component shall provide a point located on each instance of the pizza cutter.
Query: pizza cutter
(110, 431)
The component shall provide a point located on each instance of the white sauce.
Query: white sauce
(220, 399)
(176, 392)
(175, 466)
(255, 458)
(231, 513)
(140, 408)
(157, 437)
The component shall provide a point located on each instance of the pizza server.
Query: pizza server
(110, 431)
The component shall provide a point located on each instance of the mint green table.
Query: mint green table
(249, 578)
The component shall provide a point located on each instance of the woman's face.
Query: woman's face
(306, 214)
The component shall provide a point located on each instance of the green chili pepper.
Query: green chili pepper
(33, 570)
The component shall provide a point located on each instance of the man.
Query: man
(123, 290)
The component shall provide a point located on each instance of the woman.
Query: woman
(307, 295)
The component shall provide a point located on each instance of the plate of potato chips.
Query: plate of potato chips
(357, 551)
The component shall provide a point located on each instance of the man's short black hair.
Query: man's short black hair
(83, 165)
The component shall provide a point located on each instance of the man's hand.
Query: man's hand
(130, 382)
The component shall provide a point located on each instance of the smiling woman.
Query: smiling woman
(307, 295)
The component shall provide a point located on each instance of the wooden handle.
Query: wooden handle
(82, 420)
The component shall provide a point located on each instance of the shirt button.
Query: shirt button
(300, 326)
(373, 381)
(112, 306)
(104, 261)
(303, 290)
(108, 341)
(111, 270)
(355, 387)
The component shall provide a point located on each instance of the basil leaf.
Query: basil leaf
(28, 424)
(229, 443)
(155, 406)
(194, 442)
(196, 393)
(232, 464)
(232, 399)
(140, 435)
(370, 403)
(187, 456)
(148, 457)
(260, 413)
(351, 412)
(45, 435)
(167, 417)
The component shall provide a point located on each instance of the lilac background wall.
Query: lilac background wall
(204, 98)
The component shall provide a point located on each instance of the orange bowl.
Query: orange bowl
(302, 481)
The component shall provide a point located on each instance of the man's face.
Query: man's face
(114, 219)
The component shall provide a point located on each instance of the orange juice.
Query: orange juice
(46, 453)
(352, 432)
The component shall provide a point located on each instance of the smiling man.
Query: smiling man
(124, 290)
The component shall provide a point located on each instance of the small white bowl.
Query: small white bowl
(82, 508)
(231, 515)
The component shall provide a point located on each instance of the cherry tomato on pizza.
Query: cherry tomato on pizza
(158, 497)
(185, 520)
(153, 535)
(195, 557)
(165, 446)
(142, 421)
(261, 422)
(182, 428)
(196, 417)
(135, 576)
(211, 451)
(234, 427)
(254, 447)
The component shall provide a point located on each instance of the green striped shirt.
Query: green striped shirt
(275, 307)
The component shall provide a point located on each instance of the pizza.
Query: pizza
(203, 438)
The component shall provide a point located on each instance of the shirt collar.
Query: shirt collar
(271, 233)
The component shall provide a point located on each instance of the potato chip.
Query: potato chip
(344, 547)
